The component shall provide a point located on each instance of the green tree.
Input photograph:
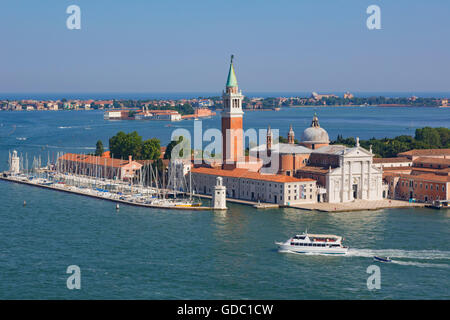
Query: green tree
(429, 136)
(171, 145)
(123, 145)
(151, 149)
(99, 148)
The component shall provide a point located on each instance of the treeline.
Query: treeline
(424, 138)
(124, 144)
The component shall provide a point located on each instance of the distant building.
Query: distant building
(203, 103)
(348, 95)
(116, 114)
(318, 97)
(165, 115)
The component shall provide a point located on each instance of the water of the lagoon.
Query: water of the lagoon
(158, 254)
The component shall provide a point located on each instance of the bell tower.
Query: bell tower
(232, 133)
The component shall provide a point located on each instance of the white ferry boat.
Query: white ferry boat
(314, 243)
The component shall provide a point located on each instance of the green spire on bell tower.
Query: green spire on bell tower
(232, 81)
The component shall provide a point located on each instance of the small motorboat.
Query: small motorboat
(382, 259)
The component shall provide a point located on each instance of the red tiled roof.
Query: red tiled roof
(426, 152)
(426, 160)
(245, 174)
(313, 169)
(397, 168)
(425, 177)
(146, 162)
(101, 161)
(391, 160)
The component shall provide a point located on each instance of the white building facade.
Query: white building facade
(356, 177)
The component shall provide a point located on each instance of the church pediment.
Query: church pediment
(357, 152)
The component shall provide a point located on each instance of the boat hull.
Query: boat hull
(381, 259)
(313, 250)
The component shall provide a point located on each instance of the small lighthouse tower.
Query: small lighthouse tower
(291, 135)
(14, 166)
(219, 195)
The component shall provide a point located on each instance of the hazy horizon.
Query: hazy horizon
(193, 94)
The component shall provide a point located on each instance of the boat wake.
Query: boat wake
(396, 253)
(421, 264)
(406, 254)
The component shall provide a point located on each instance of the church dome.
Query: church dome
(315, 134)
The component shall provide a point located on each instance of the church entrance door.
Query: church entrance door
(355, 191)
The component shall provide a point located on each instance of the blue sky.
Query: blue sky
(184, 46)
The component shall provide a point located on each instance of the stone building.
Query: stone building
(427, 180)
(247, 185)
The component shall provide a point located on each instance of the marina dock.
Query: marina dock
(88, 193)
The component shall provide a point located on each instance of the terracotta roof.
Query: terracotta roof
(391, 160)
(397, 168)
(444, 170)
(445, 162)
(425, 177)
(146, 162)
(313, 169)
(426, 152)
(245, 174)
(101, 161)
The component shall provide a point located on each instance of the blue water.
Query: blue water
(159, 254)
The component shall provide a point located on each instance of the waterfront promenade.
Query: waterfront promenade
(359, 205)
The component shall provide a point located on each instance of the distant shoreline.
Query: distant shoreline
(193, 95)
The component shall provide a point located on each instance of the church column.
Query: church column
(361, 192)
(342, 180)
(368, 179)
(350, 189)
